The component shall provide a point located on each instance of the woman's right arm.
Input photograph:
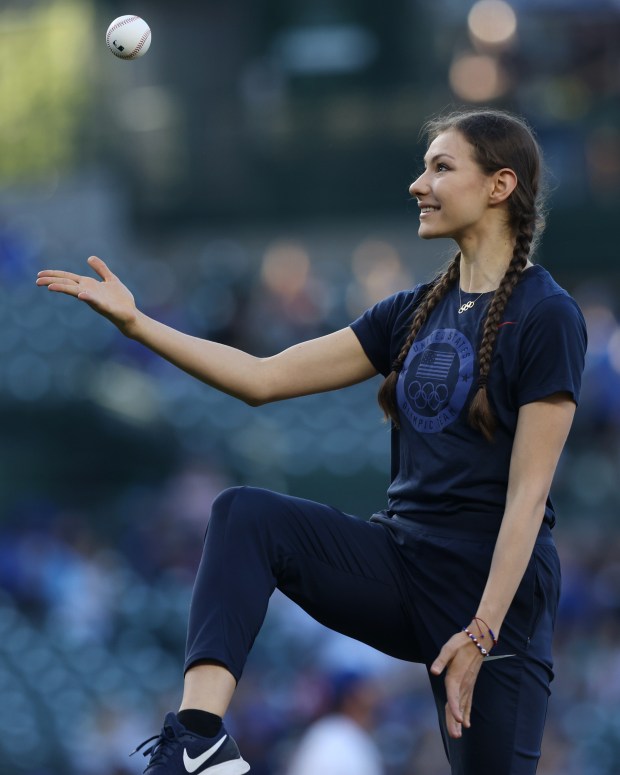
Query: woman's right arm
(327, 363)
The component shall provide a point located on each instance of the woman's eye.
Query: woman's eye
(442, 167)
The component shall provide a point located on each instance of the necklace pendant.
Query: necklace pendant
(466, 306)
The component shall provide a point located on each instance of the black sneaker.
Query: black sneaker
(177, 751)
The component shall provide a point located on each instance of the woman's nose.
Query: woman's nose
(419, 186)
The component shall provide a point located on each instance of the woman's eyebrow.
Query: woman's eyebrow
(437, 156)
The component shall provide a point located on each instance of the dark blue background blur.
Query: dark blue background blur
(248, 179)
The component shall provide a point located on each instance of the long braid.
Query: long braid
(498, 140)
(480, 414)
(387, 391)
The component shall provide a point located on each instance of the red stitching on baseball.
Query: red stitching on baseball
(140, 43)
(119, 24)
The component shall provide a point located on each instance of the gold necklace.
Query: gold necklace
(468, 304)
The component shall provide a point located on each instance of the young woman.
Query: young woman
(482, 372)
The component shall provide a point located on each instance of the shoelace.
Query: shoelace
(161, 748)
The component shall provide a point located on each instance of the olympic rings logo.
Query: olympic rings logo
(464, 307)
(435, 381)
(428, 395)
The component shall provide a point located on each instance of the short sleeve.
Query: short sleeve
(552, 350)
(380, 329)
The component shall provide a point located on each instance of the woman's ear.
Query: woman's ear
(504, 183)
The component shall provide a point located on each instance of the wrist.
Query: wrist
(488, 620)
(481, 635)
(477, 639)
(131, 326)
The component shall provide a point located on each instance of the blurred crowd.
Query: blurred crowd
(96, 567)
(110, 459)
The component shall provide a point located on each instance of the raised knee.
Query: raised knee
(237, 503)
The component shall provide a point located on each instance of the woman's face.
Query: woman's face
(452, 192)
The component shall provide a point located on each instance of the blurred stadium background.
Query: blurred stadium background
(248, 180)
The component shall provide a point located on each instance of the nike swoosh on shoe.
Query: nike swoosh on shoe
(191, 765)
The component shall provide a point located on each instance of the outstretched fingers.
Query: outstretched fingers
(60, 284)
(48, 276)
(71, 283)
(101, 268)
(105, 293)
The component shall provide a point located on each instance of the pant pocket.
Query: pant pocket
(538, 604)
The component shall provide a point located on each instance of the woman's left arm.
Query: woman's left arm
(542, 429)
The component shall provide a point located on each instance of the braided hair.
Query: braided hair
(499, 140)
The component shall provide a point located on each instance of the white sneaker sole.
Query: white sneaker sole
(233, 767)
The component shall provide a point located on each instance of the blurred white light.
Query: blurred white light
(478, 78)
(145, 109)
(492, 22)
(126, 392)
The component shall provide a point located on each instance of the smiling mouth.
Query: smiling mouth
(427, 210)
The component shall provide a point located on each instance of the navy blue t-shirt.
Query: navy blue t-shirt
(442, 468)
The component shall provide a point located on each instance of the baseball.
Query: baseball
(128, 37)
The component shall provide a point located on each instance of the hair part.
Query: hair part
(498, 140)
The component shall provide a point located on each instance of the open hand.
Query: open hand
(108, 296)
(463, 662)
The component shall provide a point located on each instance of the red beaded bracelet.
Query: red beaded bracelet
(479, 646)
